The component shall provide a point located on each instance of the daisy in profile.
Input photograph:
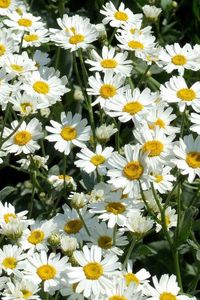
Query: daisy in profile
(58, 184)
(137, 224)
(117, 17)
(176, 90)
(35, 38)
(195, 120)
(110, 62)
(162, 179)
(19, 290)
(46, 269)
(170, 219)
(187, 154)
(90, 161)
(105, 89)
(71, 131)
(132, 105)
(151, 12)
(24, 22)
(24, 139)
(93, 276)
(173, 57)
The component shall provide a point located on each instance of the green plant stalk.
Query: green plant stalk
(117, 135)
(64, 170)
(84, 224)
(5, 119)
(143, 76)
(128, 254)
(114, 234)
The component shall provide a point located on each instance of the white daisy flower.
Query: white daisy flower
(138, 224)
(69, 290)
(151, 12)
(24, 22)
(41, 59)
(5, 88)
(24, 103)
(39, 161)
(195, 119)
(93, 276)
(173, 57)
(35, 38)
(7, 44)
(90, 161)
(117, 17)
(46, 269)
(110, 62)
(162, 179)
(71, 131)
(8, 213)
(6, 6)
(187, 154)
(57, 182)
(104, 132)
(105, 89)
(132, 105)
(24, 139)
(20, 290)
(14, 228)
(170, 219)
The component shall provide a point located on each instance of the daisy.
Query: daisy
(138, 224)
(187, 154)
(35, 38)
(93, 276)
(24, 104)
(195, 119)
(170, 219)
(162, 179)
(41, 59)
(24, 22)
(173, 57)
(8, 213)
(5, 88)
(46, 269)
(117, 17)
(90, 161)
(105, 89)
(39, 161)
(24, 139)
(110, 62)
(151, 12)
(104, 132)
(59, 181)
(14, 228)
(20, 290)
(7, 44)
(71, 131)
(132, 105)
(69, 290)
(165, 288)
(6, 6)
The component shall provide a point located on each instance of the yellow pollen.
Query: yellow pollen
(93, 271)
(9, 263)
(68, 133)
(132, 30)
(158, 178)
(77, 38)
(97, 160)
(73, 226)
(24, 22)
(17, 68)
(115, 208)
(133, 107)
(5, 3)
(116, 297)
(186, 94)
(73, 29)
(41, 87)
(2, 50)
(167, 296)
(67, 177)
(135, 45)
(107, 91)
(26, 106)
(179, 60)
(46, 272)
(154, 148)
(19, 11)
(22, 138)
(130, 277)
(8, 217)
(167, 220)
(26, 294)
(109, 63)
(193, 159)
(105, 242)
(121, 16)
(36, 237)
(31, 37)
(133, 170)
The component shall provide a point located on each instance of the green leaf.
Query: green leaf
(6, 192)
(165, 3)
(186, 225)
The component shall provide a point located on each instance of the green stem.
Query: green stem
(84, 224)
(112, 36)
(5, 119)
(143, 76)
(128, 254)
(147, 205)
(177, 267)
(61, 7)
(114, 234)
(64, 170)
(183, 123)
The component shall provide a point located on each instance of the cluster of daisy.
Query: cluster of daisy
(83, 251)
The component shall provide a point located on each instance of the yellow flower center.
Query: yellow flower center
(73, 226)
(186, 94)
(167, 296)
(179, 60)
(77, 38)
(132, 30)
(41, 87)
(135, 45)
(121, 16)
(193, 159)
(130, 277)
(105, 242)
(26, 294)
(17, 68)
(36, 237)
(2, 49)
(160, 123)
(22, 138)
(115, 208)
(116, 297)
(26, 106)
(67, 177)
(46, 272)
(68, 133)
(158, 178)
(107, 91)
(108, 63)
(98, 160)
(133, 170)
(31, 37)
(8, 217)
(133, 107)
(5, 3)
(19, 11)
(153, 147)
(24, 22)
(93, 271)
(9, 263)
